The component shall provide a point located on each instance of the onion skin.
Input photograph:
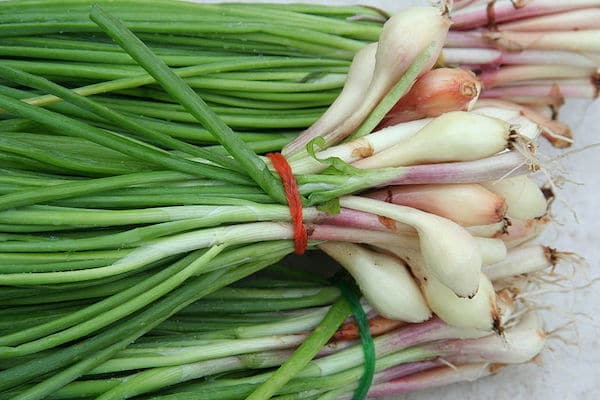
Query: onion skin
(466, 204)
(435, 93)
(521, 231)
(378, 325)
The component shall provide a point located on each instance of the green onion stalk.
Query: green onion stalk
(262, 76)
(135, 201)
(239, 333)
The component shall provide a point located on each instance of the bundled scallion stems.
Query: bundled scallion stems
(134, 219)
(529, 55)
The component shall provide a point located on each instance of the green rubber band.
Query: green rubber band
(351, 294)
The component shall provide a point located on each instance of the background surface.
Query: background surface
(566, 372)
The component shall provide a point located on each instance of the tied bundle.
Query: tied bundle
(136, 222)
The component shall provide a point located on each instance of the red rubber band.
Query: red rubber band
(292, 195)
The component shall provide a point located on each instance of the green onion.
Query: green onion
(145, 243)
(253, 165)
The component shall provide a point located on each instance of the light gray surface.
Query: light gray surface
(566, 372)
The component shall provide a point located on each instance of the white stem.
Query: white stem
(552, 129)
(460, 56)
(521, 260)
(399, 237)
(355, 88)
(487, 231)
(524, 199)
(523, 125)
(360, 148)
(505, 114)
(384, 281)
(419, 28)
(449, 251)
(458, 136)
(492, 250)
(479, 312)
(517, 345)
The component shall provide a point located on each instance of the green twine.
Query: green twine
(350, 293)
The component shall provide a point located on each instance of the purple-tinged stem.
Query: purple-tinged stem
(352, 234)
(441, 376)
(575, 41)
(407, 369)
(503, 165)
(467, 40)
(550, 82)
(471, 56)
(363, 220)
(585, 91)
(508, 163)
(552, 57)
(554, 100)
(478, 58)
(413, 334)
(402, 338)
(518, 344)
(505, 10)
(351, 226)
(576, 20)
(518, 73)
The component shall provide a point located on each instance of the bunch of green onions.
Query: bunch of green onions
(129, 207)
(238, 334)
(260, 76)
